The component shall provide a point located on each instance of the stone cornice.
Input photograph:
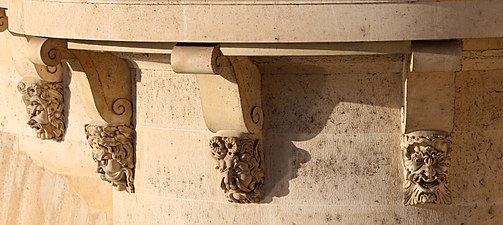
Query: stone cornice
(274, 23)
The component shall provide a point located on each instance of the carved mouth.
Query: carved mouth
(36, 119)
(34, 124)
(428, 184)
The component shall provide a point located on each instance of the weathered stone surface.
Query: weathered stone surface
(257, 21)
(478, 100)
(168, 100)
(322, 172)
(311, 95)
(35, 195)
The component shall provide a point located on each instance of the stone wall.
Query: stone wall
(332, 149)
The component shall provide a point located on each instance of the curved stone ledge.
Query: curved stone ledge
(257, 23)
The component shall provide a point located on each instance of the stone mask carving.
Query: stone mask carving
(44, 105)
(426, 164)
(240, 163)
(113, 151)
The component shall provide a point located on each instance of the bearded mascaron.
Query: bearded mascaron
(426, 162)
(44, 105)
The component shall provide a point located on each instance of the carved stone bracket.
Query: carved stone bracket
(426, 163)
(105, 85)
(113, 151)
(104, 82)
(230, 92)
(44, 105)
(240, 162)
(42, 86)
(427, 120)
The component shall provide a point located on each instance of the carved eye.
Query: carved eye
(417, 158)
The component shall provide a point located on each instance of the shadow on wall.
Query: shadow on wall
(67, 93)
(301, 95)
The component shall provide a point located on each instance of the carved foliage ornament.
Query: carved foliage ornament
(240, 163)
(426, 164)
(113, 151)
(44, 105)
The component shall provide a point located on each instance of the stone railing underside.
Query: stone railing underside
(256, 21)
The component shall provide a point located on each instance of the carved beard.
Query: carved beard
(414, 195)
(238, 180)
(111, 171)
(240, 166)
(113, 151)
(426, 180)
(44, 105)
(39, 119)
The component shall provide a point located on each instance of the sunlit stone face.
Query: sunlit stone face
(113, 151)
(44, 105)
(240, 165)
(426, 166)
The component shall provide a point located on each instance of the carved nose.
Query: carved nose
(429, 171)
(230, 180)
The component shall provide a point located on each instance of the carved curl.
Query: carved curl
(113, 151)
(426, 161)
(240, 163)
(257, 116)
(3, 20)
(44, 105)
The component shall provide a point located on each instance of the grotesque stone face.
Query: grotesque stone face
(113, 151)
(240, 163)
(426, 164)
(44, 105)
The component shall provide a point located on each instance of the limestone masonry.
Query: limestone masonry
(154, 112)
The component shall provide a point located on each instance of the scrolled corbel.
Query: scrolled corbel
(107, 97)
(230, 92)
(104, 83)
(427, 121)
(42, 86)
